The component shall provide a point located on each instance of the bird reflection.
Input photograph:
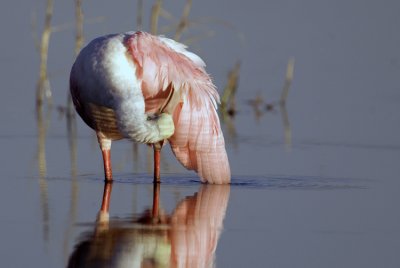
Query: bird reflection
(187, 237)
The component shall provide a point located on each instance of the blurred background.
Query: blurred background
(310, 115)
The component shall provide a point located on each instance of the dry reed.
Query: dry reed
(228, 100)
(184, 21)
(139, 15)
(43, 89)
(155, 13)
(288, 81)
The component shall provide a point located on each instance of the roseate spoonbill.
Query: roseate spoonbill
(150, 89)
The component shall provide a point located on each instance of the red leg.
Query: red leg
(105, 146)
(157, 151)
(107, 165)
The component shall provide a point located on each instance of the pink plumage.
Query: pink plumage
(140, 80)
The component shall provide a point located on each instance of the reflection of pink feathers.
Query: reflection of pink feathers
(196, 225)
(164, 65)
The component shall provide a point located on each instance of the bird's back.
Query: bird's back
(100, 76)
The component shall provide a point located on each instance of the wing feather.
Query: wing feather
(198, 142)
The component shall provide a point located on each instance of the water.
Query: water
(324, 196)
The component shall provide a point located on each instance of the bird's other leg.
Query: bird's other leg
(157, 154)
(105, 146)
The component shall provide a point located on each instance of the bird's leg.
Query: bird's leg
(105, 146)
(157, 151)
(107, 165)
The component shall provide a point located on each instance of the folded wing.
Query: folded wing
(198, 142)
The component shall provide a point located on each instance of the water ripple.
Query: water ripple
(298, 182)
(287, 182)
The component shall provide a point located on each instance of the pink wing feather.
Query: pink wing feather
(198, 142)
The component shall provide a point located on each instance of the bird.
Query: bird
(152, 90)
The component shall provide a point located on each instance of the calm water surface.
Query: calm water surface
(315, 185)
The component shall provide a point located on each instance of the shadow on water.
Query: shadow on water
(187, 237)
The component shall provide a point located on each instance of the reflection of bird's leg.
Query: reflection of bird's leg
(103, 215)
(105, 204)
(157, 151)
(156, 200)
